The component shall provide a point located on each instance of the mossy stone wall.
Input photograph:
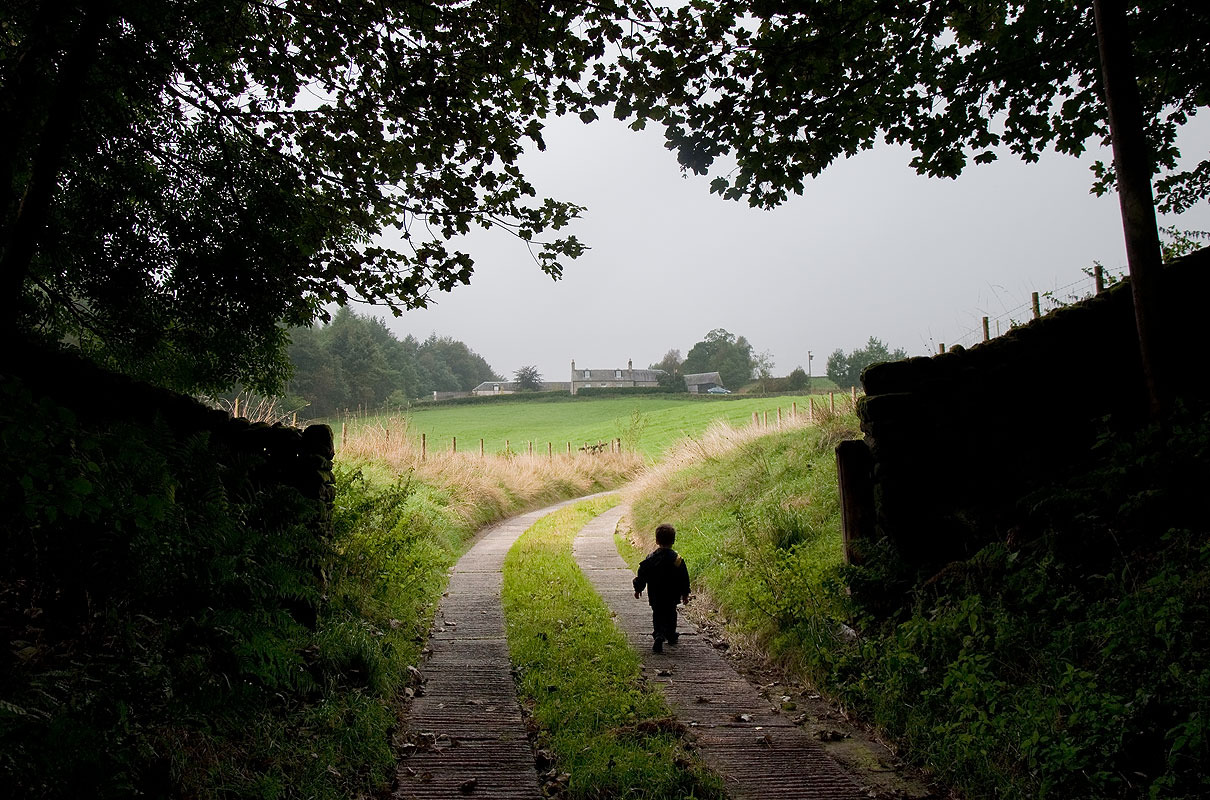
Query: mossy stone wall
(959, 439)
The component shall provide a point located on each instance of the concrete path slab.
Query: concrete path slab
(466, 731)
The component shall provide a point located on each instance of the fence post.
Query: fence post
(453, 444)
(530, 451)
(779, 417)
(794, 410)
(550, 451)
(424, 446)
(1098, 275)
(986, 331)
(480, 448)
(569, 448)
(507, 447)
(1037, 306)
(855, 476)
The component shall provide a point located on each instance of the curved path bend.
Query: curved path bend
(757, 751)
(466, 735)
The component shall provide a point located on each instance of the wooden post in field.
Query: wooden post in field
(453, 444)
(531, 448)
(550, 451)
(344, 434)
(755, 420)
(854, 393)
(424, 446)
(765, 422)
(1037, 306)
(569, 448)
(480, 448)
(779, 418)
(986, 332)
(794, 410)
(235, 411)
(832, 401)
(1098, 276)
(507, 448)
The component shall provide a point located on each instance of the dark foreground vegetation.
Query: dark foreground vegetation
(1070, 661)
(175, 623)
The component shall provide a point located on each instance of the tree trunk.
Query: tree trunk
(1132, 160)
(21, 239)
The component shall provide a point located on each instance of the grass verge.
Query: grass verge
(758, 523)
(611, 734)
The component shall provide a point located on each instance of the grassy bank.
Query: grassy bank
(1068, 662)
(612, 735)
(758, 523)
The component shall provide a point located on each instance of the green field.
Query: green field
(648, 423)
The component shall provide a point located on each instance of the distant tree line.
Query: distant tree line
(733, 359)
(356, 361)
(845, 368)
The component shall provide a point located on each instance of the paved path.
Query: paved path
(758, 752)
(467, 725)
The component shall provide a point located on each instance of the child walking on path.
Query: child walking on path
(666, 578)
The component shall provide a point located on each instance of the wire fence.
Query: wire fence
(986, 323)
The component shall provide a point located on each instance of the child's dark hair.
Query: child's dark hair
(665, 534)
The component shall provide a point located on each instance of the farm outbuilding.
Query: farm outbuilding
(613, 378)
(702, 382)
(512, 387)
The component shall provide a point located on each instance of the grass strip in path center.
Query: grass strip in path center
(609, 733)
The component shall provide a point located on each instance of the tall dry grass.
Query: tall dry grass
(721, 438)
(487, 486)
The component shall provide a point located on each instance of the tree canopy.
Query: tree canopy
(186, 179)
(528, 378)
(845, 369)
(356, 361)
(722, 352)
(787, 91)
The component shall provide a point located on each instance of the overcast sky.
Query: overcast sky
(870, 249)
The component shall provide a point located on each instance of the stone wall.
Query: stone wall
(301, 459)
(956, 440)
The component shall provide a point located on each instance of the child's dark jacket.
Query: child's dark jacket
(665, 576)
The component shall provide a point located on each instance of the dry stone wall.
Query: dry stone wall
(280, 454)
(956, 440)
